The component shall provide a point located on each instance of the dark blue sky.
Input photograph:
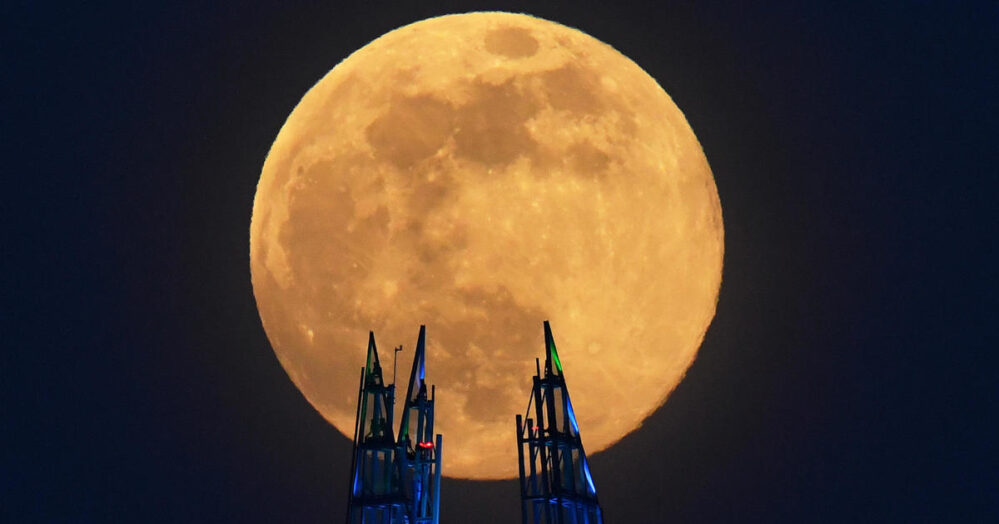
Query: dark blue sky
(848, 376)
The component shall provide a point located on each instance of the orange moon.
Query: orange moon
(480, 173)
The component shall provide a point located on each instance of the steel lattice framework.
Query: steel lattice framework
(556, 486)
(395, 480)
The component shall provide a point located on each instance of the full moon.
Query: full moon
(481, 173)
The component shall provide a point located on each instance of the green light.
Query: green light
(550, 342)
(554, 354)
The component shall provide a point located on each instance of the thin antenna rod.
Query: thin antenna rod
(395, 358)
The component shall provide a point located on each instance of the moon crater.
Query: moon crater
(511, 42)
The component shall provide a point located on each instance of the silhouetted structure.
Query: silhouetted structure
(556, 486)
(395, 480)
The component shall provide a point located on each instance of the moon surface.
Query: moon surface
(481, 173)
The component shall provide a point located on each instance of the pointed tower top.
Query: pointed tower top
(551, 354)
(417, 387)
(374, 421)
(373, 368)
(421, 355)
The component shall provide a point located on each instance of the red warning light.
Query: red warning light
(426, 445)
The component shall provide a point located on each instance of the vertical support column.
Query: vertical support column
(353, 455)
(520, 464)
(437, 478)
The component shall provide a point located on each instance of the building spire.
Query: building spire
(377, 396)
(417, 390)
(556, 486)
(551, 354)
(372, 368)
(395, 481)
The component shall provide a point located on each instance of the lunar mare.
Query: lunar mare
(479, 174)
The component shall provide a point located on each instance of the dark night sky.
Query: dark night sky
(849, 375)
